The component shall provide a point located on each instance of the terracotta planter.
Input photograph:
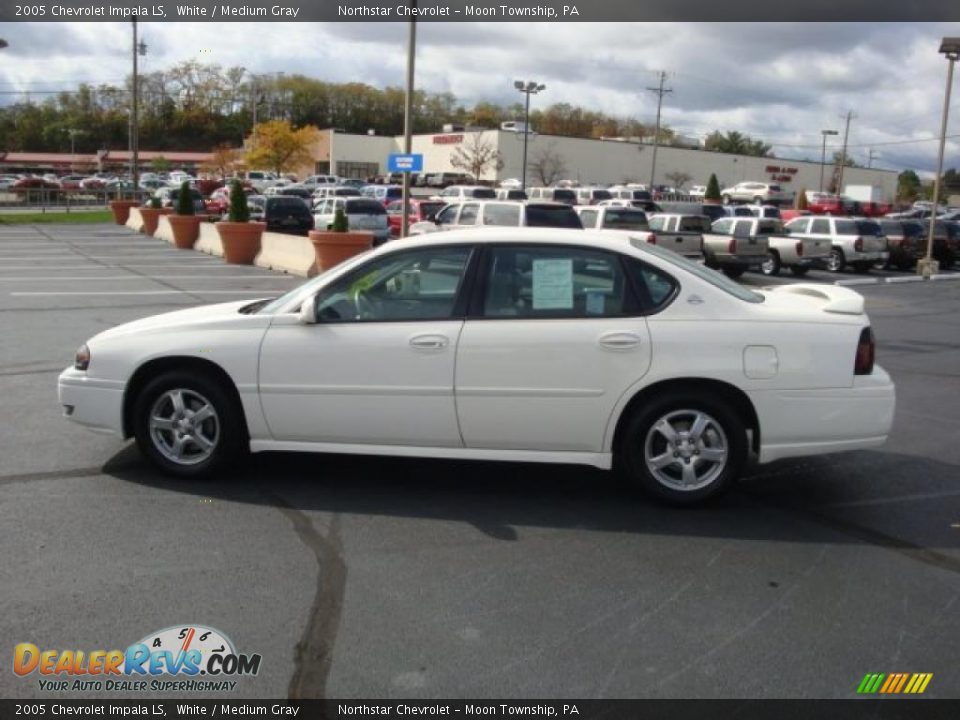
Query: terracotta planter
(151, 216)
(241, 241)
(186, 230)
(121, 210)
(332, 248)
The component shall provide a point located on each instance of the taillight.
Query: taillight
(866, 351)
(858, 244)
(732, 246)
(652, 239)
(799, 249)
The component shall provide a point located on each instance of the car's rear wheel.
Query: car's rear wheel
(683, 449)
(771, 266)
(188, 425)
(862, 267)
(799, 270)
(733, 271)
(836, 262)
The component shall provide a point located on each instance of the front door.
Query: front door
(378, 366)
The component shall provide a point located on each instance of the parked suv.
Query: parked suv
(465, 192)
(755, 192)
(363, 213)
(905, 241)
(168, 198)
(592, 195)
(554, 194)
(857, 242)
(507, 213)
(287, 214)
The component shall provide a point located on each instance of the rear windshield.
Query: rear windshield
(769, 228)
(858, 227)
(553, 216)
(501, 214)
(567, 196)
(429, 209)
(625, 219)
(394, 193)
(289, 204)
(365, 207)
(602, 195)
(484, 193)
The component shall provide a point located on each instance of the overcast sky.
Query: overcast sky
(780, 82)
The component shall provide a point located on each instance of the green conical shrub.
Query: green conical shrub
(713, 189)
(185, 199)
(239, 210)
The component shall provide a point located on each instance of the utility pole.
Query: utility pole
(408, 120)
(134, 120)
(660, 91)
(870, 156)
(843, 155)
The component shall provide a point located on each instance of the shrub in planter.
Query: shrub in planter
(337, 244)
(240, 237)
(712, 193)
(185, 225)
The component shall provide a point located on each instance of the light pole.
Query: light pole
(527, 88)
(408, 122)
(950, 48)
(138, 49)
(823, 153)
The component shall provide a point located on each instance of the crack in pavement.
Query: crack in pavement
(313, 655)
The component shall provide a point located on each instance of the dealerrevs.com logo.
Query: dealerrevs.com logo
(197, 658)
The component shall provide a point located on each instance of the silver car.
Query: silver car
(363, 213)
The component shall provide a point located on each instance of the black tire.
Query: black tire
(771, 267)
(837, 261)
(225, 430)
(862, 267)
(799, 270)
(734, 271)
(905, 264)
(640, 440)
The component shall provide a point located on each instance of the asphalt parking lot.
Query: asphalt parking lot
(377, 577)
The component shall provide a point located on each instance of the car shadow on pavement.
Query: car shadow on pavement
(824, 499)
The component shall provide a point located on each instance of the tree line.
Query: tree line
(194, 106)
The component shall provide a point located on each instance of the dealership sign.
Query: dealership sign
(447, 139)
(781, 174)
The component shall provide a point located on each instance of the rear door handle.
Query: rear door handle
(429, 342)
(619, 341)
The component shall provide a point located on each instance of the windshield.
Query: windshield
(297, 295)
(717, 279)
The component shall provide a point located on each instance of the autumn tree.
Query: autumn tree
(547, 165)
(275, 145)
(678, 179)
(476, 156)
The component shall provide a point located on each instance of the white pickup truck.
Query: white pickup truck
(613, 217)
(784, 249)
(681, 233)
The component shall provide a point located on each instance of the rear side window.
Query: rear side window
(625, 219)
(553, 216)
(693, 224)
(483, 193)
(655, 287)
(365, 207)
(565, 196)
(501, 214)
(820, 226)
(468, 215)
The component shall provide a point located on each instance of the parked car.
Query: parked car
(906, 242)
(287, 214)
(737, 211)
(454, 193)
(648, 206)
(420, 211)
(384, 194)
(168, 198)
(323, 192)
(820, 203)
(257, 204)
(442, 180)
(511, 194)
(944, 251)
(315, 181)
(593, 195)
(763, 211)
(711, 210)
(554, 194)
(611, 217)
(731, 248)
(857, 242)
(788, 214)
(391, 353)
(681, 233)
(293, 191)
(218, 204)
(507, 213)
(363, 213)
(260, 180)
(755, 192)
(697, 191)
(624, 192)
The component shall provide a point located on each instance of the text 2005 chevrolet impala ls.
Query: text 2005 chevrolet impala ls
(517, 344)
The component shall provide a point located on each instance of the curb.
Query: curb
(896, 280)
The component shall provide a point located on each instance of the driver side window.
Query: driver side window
(419, 284)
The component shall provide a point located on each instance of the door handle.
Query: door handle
(429, 342)
(619, 341)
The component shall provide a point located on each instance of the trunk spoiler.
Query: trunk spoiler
(835, 299)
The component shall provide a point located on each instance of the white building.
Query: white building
(585, 160)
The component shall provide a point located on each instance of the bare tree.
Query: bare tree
(678, 178)
(476, 156)
(548, 165)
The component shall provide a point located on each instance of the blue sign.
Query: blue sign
(405, 163)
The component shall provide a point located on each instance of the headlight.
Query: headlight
(82, 360)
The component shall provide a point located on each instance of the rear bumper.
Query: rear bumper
(795, 423)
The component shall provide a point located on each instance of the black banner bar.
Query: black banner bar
(479, 11)
(859, 709)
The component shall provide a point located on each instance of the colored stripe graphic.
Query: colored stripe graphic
(894, 683)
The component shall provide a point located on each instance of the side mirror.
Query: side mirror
(308, 311)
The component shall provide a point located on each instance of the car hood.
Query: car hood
(179, 319)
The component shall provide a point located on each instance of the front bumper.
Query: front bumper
(796, 423)
(92, 402)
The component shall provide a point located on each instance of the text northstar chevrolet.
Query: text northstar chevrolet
(523, 344)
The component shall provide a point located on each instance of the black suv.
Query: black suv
(287, 214)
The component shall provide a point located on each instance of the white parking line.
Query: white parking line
(864, 281)
(141, 278)
(91, 293)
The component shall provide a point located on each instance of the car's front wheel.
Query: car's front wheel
(683, 449)
(188, 425)
(836, 262)
(734, 271)
(771, 266)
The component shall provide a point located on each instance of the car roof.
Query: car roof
(601, 239)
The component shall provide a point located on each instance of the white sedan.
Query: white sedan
(514, 344)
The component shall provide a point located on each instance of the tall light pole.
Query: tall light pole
(527, 88)
(950, 48)
(139, 48)
(823, 153)
(660, 91)
(408, 121)
(843, 154)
